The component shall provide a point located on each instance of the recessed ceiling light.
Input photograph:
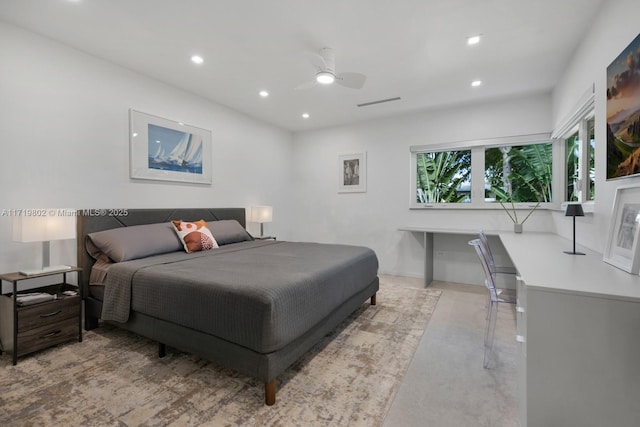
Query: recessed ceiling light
(264, 93)
(197, 59)
(476, 83)
(473, 40)
(305, 115)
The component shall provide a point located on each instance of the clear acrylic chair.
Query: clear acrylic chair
(484, 241)
(496, 297)
(495, 270)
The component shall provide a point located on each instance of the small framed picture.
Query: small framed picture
(621, 249)
(352, 172)
(167, 150)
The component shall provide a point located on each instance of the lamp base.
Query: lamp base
(573, 253)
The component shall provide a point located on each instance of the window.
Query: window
(519, 173)
(591, 137)
(577, 135)
(443, 177)
(474, 174)
(573, 166)
(580, 164)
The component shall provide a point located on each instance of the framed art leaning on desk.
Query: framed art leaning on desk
(621, 249)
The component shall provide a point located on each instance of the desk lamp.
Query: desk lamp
(44, 229)
(574, 210)
(261, 214)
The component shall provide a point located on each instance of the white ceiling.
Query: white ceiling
(413, 49)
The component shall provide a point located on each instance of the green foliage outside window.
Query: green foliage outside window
(441, 177)
(572, 144)
(573, 153)
(519, 173)
(592, 159)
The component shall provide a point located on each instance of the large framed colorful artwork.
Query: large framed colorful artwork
(623, 113)
(166, 150)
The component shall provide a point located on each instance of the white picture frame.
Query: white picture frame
(167, 150)
(621, 249)
(352, 173)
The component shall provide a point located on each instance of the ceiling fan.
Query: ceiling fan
(324, 62)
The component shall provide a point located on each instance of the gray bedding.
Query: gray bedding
(261, 295)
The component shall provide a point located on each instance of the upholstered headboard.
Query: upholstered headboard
(93, 220)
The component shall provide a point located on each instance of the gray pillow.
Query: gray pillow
(138, 241)
(228, 231)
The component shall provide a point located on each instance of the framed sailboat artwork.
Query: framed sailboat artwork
(166, 150)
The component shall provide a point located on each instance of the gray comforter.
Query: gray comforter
(259, 294)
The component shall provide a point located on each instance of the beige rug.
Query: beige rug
(115, 378)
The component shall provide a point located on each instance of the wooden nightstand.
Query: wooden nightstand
(28, 328)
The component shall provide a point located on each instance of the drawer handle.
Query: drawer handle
(520, 309)
(51, 314)
(520, 338)
(51, 334)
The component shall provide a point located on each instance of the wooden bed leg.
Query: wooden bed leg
(162, 350)
(270, 392)
(373, 299)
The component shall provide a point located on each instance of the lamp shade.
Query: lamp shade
(574, 209)
(261, 214)
(43, 228)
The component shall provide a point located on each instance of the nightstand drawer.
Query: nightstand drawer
(48, 335)
(48, 313)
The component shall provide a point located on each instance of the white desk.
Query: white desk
(428, 233)
(579, 322)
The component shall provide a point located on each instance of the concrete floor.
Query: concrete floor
(446, 385)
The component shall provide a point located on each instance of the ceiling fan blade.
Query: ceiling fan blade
(316, 60)
(351, 80)
(307, 85)
(326, 53)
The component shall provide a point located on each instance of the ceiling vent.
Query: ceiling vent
(366, 104)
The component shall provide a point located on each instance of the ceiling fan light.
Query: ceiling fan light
(325, 78)
(473, 40)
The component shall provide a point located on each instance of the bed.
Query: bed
(251, 305)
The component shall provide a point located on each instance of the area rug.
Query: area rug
(115, 378)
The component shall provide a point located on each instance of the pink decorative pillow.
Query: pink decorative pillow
(195, 236)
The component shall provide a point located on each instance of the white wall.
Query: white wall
(64, 137)
(615, 26)
(373, 218)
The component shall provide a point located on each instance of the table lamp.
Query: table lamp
(574, 210)
(261, 214)
(44, 229)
